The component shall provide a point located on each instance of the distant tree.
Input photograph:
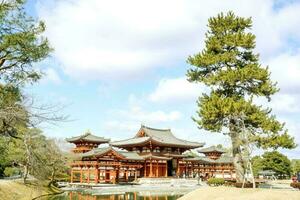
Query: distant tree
(230, 68)
(295, 166)
(3, 155)
(23, 151)
(257, 165)
(52, 161)
(34, 154)
(277, 162)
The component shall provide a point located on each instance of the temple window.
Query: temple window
(168, 149)
(156, 149)
(145, 149)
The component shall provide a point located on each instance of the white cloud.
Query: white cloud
(285, 104)
(176, 89)
(136, 113)
(51, 76)
(123, 126)
(97, 39)
(281, 104)
(285, 68)
(125, 123)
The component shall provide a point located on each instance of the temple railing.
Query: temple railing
(103, 164)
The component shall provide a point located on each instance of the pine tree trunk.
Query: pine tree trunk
(25, 173)
(237, 156)
(52, 177)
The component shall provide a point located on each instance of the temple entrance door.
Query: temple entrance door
(170, 167)
(107, 176)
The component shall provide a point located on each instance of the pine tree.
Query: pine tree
(21, 42)
(230, 68)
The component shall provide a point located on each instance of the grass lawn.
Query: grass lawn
(16, 190)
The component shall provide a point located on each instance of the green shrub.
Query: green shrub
(11, 171)
(215, 181)
(295, 185)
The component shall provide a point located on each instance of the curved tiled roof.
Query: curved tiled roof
(151, 156)
(162, 137)
(131, 155)
(211, 149)
(202, 159)
(131, 141)
(96, 152)
(88, 137)
(102, 151)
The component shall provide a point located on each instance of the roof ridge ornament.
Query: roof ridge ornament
(88, 132)
(158, 129)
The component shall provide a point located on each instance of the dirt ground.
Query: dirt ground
(231, 193)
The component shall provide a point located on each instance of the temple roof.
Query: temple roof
(155, 157)
(211, 149)
(96, 152)
(131, 155)
(102, 151)
(163, 137)
(88, 137)
(202, 159)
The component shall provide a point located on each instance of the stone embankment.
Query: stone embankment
(149, 186)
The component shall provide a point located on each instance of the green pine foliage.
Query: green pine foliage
(296, 166)
(230, 68)
(21, 43)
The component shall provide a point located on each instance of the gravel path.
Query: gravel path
(231, 193)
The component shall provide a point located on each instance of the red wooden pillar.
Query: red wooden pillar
(96, 174)
(88, 176)
(192, 168)
(145, 169)
(166, 169)
(157, 168)
(135, 174)
(80, 174)
(178, 168)
(186, 168)
(117, 175)
(150, 174)
(71, 175)
(113, 175)
(126, 175)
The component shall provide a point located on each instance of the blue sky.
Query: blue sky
(118, 64)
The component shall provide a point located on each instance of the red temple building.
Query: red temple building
(153, 153)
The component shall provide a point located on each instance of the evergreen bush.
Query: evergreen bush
(295, 185)
(215, 181)
(11, 171)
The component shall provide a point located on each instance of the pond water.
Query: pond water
(120, 196)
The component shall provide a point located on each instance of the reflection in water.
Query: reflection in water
(122, 196)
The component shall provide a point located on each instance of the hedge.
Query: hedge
(11, 171)
(295, 185)
(215, 181)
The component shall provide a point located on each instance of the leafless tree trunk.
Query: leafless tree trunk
(27, 158)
